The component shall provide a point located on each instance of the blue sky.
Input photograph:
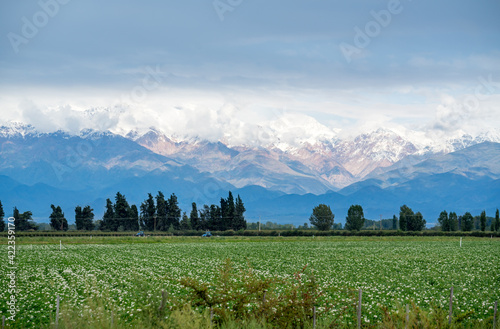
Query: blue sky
(415, 64)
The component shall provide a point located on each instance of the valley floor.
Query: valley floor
(120, 280)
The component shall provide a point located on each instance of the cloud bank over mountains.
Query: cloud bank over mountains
(248, 126)
(431, 68)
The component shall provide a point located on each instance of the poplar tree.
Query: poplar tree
(185, 223)
(394, 222)
(24, 221)
(239, 214)
(453, 220)
(444, 221)
(194, 218)
(57, 220)
(161, 211)
(483, 221)
(174, 212)
(467, 222)
(133, 220)
(148, 213)
(108, 219)
(79, 218)
(88, 218)
(497, 221)
(2, 223)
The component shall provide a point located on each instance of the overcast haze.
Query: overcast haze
(192, 69)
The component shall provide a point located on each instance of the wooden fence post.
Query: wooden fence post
(211, 315)
(495, 315)
(57, 312)
(407, 316)
(451, 305)
(359, 308)
(314, 317)
(3, 322)
(163, 300)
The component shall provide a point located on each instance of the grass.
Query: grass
(125, 275)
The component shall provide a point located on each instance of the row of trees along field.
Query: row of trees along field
(156, 213)
(159, 213)
(322, 218)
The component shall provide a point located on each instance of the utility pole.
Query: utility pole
(154, 217)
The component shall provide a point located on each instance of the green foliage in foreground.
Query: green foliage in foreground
(123, 283)
(241, 299)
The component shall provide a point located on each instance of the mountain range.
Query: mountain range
(381, 170)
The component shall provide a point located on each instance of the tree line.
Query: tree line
(322, 218)
(159, 213)
(155, 214)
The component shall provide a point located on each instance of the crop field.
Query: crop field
(126, 276)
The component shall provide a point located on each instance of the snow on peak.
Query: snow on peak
(17, 129)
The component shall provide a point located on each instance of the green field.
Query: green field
(125, 275)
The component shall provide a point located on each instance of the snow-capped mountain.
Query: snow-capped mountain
(315, 164)
(380, 170)
(319, 165)
(16, 129)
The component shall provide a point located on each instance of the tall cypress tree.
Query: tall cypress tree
(444, 221)
(224, 220)
(194, 218)
(239, 214)
(148, 213)
(88, 218)
(2, 223)
(79, 218)
(185, 224)
(121, 210)
(453, 219)
(214, 218)
(108, 219)
(483, 221)
(57, 220)
(205, 223)
(17, 218)
(126, 217)
(231, 212)
(133, 221)
(394, 222)
(497, 221)
(161, 211)
(174, 212)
